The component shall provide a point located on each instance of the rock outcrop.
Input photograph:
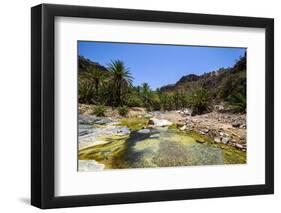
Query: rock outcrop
(159, 122)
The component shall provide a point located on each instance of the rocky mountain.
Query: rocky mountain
(221, 83)
(188, 78)
(84, 64)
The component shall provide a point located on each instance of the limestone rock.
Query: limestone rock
(217, 140)
(225, 140)
(144, 131)
(159, 122)
(239, 146)
(102, 121)
(183, 128)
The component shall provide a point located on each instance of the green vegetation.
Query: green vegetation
(86, 92)
(238, 103)
(134, 123)
(233, 156)
(199, 137)
(112, 86)
(199, 101)
(121, 81)
(111, 153)
(123, 111)
(99, 110)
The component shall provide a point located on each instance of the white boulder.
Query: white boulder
(144, 131)
(159, 122)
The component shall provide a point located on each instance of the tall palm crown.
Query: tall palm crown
(90, 82)
(96, 76)
(121, 80)
(147, 94)
(145, 88)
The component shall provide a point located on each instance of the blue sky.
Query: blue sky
(159, 65)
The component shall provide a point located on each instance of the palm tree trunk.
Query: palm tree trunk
(97, 86)
(118, 96)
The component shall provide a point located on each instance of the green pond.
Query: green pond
(160, 147)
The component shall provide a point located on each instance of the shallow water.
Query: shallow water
(161, 147)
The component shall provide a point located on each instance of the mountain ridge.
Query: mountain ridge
(84, 64)
(221, 82)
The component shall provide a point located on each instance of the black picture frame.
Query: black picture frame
(43, 102)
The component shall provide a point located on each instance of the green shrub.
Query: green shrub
(123, 111)
(233, 84)
(155, 102)
(99, 110)
(199, 101)
(85, 92)
(134, 101)
(166, 101)
(179, 100)
(237, 102)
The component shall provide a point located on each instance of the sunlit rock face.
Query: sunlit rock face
(159, 122)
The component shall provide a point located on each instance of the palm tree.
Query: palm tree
(86, 92)
(96, 76)
(145, 87)
(199, 100)
(121, 80)
(146, 94)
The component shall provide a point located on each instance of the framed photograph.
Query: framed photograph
(139, 106)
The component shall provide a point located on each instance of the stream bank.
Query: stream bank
(148, 140)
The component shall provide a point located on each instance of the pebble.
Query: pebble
(180, 124)
(243, 126)
(236, 125)
(217, 140)
(239, 146)
(183, 128)
(225, 140)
